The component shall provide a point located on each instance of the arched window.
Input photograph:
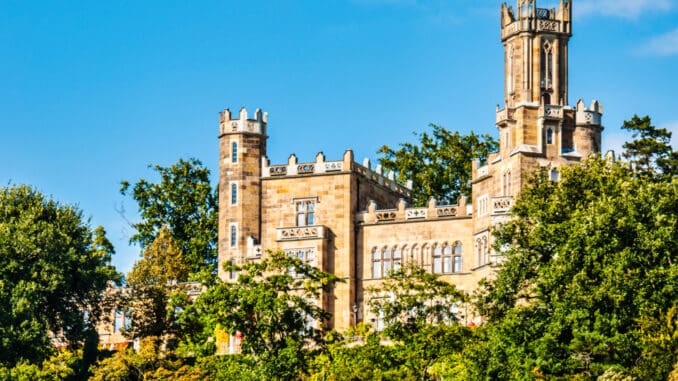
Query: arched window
(486, 251)
(549, 136)
(447, 258)
(397, 258)
(457, 257)
(406, 255)
(437, 259)
(376, 263)
(234, 152)
(508, 183)
(414, 254)
(386, 259)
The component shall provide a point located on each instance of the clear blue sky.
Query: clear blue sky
(91, 92)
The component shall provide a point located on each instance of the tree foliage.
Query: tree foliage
(586, 258)
(274, 305)
(439, 165)
(184, 202)
(650, 150)
(53, 269)
(153, 281)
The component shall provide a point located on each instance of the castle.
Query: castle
(351, 220)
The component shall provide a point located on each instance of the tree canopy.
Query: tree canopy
(53, 269)
(439, 164)
(185, 203)
(650, 150)
(590, 261)
(275, 305)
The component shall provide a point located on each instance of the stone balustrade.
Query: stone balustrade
(404, 214)
(501, 205)
(551, 111)
(297, 233)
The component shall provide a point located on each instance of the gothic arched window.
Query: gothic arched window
(376, 263)
(457, 257)
(549, 136)
(397, 258)
(437, 259)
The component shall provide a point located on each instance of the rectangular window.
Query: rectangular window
(305, 255)
(234, 152)
(234, 193)
(233, 274)
(482, 205)
(234, 236)
(305, 212)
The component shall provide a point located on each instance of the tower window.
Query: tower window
(234, 193)
(549, 136)
(234, 236)
(305, 212)
(234, 152)
(233, 273)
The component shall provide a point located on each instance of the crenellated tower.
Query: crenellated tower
(242, 145)
(536, 119)
(537, 127)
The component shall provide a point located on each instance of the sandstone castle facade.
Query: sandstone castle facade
(350, 219)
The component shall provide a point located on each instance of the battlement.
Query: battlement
(402, 213)
(241, 123)
(323, 167)
(591, 116)
(530, 18)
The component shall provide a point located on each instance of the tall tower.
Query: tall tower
(536, 120)
(242, 144)
(537, 127)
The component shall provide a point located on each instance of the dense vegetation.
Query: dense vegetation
(587, 290)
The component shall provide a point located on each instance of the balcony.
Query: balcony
(501, 205)
(299, 233)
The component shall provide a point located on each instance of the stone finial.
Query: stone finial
(366, 163)
(409, 184)
(258, 115)
(243, 114)
(379, 169)
(265, 162)
(391, 175)
(320, 157)
(580, 105)
(265, 118)
(348, 157)
(225, 116)
(461, 203)
(402, 204)
(292, 160)
(371, 206)
(432, 202)
(596, 107)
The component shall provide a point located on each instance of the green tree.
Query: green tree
(184, 202)
(53, 270)
(650, 150)
(439, 165)
(274, 305)
(585, 259)
(153, 281)
(420, 315)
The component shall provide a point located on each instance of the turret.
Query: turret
(242, 146)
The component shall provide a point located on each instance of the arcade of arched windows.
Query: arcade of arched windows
(440, 258)
(482, 251)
